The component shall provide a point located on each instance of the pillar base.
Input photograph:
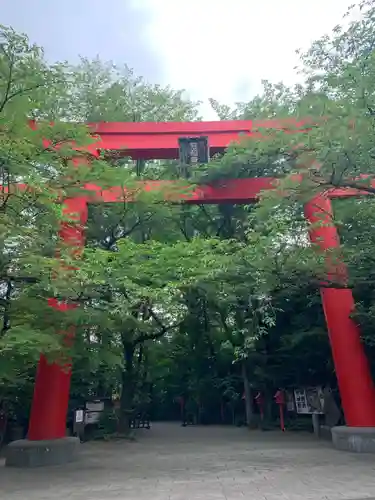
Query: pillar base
(355, 439)
(25, 453)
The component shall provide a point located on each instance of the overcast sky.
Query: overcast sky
(212, 48)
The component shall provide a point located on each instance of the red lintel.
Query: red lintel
(239, 191)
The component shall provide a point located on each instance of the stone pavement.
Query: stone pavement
(170, 462)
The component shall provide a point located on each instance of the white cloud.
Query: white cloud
(223, 49)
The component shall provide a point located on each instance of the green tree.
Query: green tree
(133, 296)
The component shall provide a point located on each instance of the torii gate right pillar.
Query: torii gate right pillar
(354, 378)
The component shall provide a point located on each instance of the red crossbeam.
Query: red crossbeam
(231, 191)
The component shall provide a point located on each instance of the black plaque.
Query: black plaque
(194, 150)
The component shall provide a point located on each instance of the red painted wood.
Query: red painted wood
(52, 384)
(160, 140)
(231, 191)
(356, 386)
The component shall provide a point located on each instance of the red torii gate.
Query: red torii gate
(160, 141)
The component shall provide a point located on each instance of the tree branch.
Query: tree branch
(6, 315)
(113, 239)
(163, 329)
(9, 82)
(7, 98)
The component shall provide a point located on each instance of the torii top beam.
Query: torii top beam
(152, 140)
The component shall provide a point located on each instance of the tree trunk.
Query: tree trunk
(248, 395)
(127, 390)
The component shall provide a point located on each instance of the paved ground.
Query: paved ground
(207, 463)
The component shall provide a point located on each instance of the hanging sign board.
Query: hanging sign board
(193, 150)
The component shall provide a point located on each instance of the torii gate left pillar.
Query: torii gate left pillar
(47, 442)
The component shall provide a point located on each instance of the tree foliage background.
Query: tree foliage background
(205, 303)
